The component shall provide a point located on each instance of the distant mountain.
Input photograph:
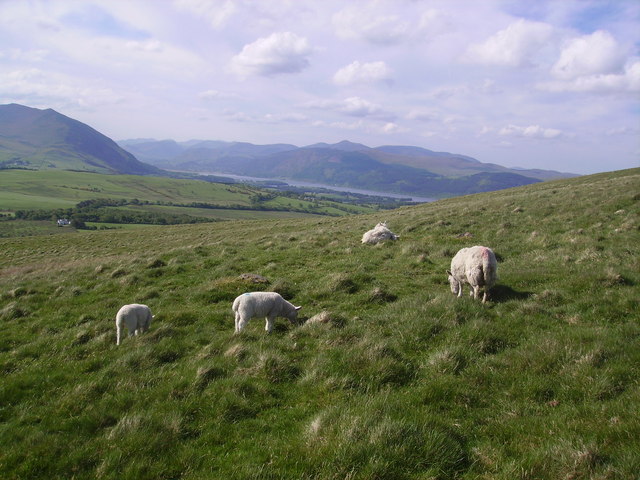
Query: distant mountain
(43, 139)
(397, 169)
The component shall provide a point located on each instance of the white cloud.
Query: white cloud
(532, 131)
(515, 46)
(626, 82)
(357, 72)
(422, 115)
(285, 118)
(215, 12)
(594, 54)
(370, 26)
(145, 46)
(391, 127)
(282, 52)
(57, 90)
(359, 107)
(22, 55)
(434, 22)
(215, 94)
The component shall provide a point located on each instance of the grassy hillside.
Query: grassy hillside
(60, 189)
(401, 381)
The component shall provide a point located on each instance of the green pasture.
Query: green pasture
(386, 375)
(58, 189)
(74, 187)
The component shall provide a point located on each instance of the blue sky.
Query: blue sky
(545, 84)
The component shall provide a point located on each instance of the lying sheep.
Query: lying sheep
(476, 266)
(262, 304)
(135, 317)
(378, 234)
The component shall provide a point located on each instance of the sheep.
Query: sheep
(258, 304)
(476, 266)
(135, 317)
(378, 234)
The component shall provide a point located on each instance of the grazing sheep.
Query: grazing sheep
(135, 317)
(379, 233)
(476, 266)
(262, 304)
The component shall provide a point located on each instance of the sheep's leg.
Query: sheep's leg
(485, 296)
(118, 335)
(240, 323)
(269, 325)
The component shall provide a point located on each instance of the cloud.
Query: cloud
(21, 55)
(285, 118)
(145, 46)
(515, 46)
(352, 106)
(423, 115)
(391, 127)
(357, 72)
(594, 54)
(216, 13)
(215, 95)
(532, 131)
(372, 27)
(282, 52)
(614, 83)
(273, 118)
(44, 88)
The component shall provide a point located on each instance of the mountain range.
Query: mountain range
(44, 139)
(397, 169)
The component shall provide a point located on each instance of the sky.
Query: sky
(551, 84)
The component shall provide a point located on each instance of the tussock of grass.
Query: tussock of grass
(387, 375)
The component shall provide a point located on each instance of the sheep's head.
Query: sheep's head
(293, 315)
(455, 284)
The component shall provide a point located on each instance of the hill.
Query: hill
(401, 380)
(44, 139)
(396, 169)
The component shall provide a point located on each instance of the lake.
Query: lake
(297, 183)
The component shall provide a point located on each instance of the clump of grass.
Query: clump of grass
(12, 311)
(381, 295)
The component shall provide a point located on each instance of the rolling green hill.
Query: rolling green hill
(55, 190)
(397, 380)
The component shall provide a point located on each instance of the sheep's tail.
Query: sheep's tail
(236, 302)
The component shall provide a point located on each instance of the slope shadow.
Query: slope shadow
(503, 293)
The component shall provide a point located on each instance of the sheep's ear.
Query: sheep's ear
(449, 273)
(297, 308)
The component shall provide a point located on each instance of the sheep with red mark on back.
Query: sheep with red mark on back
(476, 266)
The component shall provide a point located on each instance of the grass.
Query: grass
(397, 379)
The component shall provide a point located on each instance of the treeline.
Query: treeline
(110, 210)
(79, 217)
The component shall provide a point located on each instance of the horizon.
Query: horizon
(552, 85)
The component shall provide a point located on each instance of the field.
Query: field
(400, 379)
(160, 197)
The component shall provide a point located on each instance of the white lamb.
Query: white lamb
(378, 234)
(262, 304)
(135, 317)
(476, 266)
